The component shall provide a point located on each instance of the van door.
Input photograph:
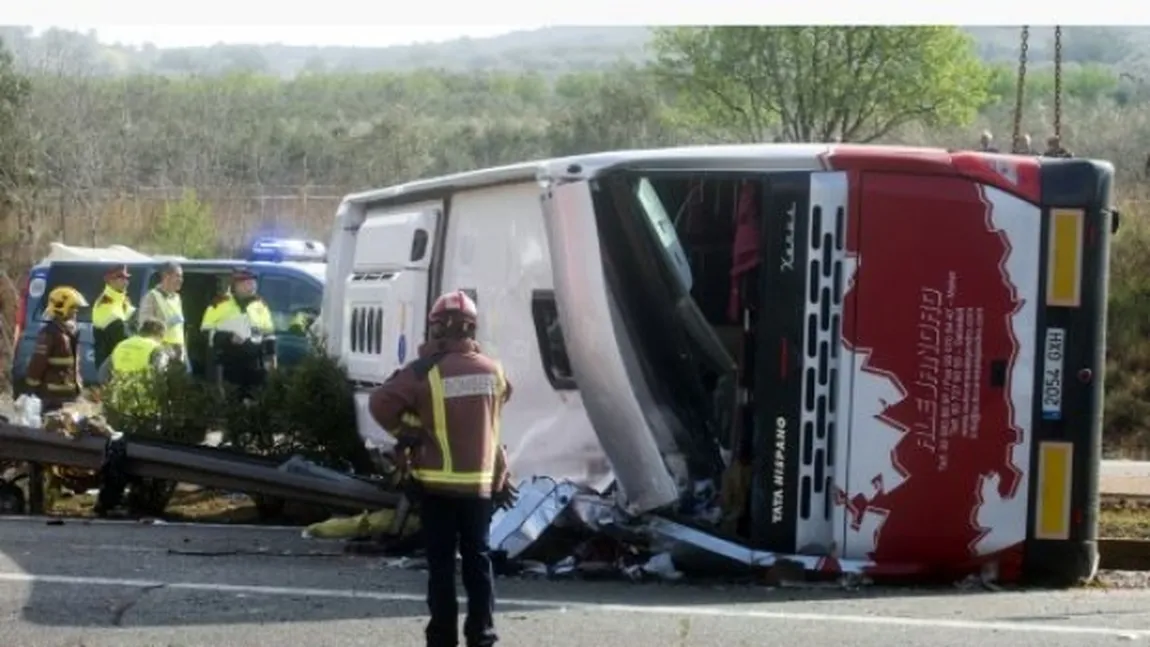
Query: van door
(386, 295)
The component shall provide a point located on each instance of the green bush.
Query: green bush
(307, 409)
(171, 405)
(1128, 327)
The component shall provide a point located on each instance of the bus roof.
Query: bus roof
(743, 156)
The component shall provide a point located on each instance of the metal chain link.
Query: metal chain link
(1015, 141)
(1058, 83)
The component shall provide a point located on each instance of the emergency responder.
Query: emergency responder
(1054, 148)
(302, 320)
(135, 354)
(241, 333)
(454, 394)
(53, 372)
(162, 304)
(111, 313)
(986, 142)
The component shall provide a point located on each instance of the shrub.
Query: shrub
(171, 406)
(307, 409)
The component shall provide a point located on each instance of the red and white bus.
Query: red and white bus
(907, 344)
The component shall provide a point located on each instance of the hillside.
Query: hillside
(550, 51)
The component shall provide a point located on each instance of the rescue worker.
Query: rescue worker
(1054, 148)
(162, 304)
(302, 320)
(446, 406)
(112, 312)
(241, 334)
(135, 354)
(986, 142)
(53, 372)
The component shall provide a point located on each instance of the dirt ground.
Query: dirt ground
(188, 504)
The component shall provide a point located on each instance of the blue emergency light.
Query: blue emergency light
(278, 250)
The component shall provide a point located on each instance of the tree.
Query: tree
(186, 227)
(818, 83)
(14, 91)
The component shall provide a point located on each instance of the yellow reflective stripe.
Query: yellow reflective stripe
(411, 420)
(60, 361)
(30, 382)
(497, 411)
(454, 478)
(439, 417)
(67, 386)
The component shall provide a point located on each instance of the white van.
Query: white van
(804, 307)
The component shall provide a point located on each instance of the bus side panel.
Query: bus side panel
(944, 295)
(1063, 524)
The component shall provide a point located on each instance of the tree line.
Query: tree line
(101, 159)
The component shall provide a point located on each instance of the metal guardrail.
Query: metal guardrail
(208, 467)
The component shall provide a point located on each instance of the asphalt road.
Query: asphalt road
(131, 585)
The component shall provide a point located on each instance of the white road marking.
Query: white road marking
(695, 611)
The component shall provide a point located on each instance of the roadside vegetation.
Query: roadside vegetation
(196, 155)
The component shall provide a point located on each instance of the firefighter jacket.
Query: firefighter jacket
(241, 362)
(53, 372)
(456, 394)
(110, 318)
(167, 309)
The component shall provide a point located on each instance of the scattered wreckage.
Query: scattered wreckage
(555, 528)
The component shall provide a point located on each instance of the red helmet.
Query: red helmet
(454, 303)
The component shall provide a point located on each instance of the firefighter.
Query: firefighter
(162, 304)
(446, 406)
(112, 312)
(135, 354)
(241, 333)
(53, 372)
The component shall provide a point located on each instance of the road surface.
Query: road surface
(130, 585)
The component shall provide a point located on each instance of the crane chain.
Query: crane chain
(1058, 83)
(1016, 139)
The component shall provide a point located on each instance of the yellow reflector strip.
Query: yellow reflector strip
(1064, 269)
(1055, 464)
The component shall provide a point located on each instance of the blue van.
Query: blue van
(290, 287)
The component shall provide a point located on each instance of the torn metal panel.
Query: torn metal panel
(673, 533)
(541, 502)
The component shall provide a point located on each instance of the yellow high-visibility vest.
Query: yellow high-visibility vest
(111, 305)
(257, 313)
(134, 354)
(172, 310)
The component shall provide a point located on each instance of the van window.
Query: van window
(88, 278)
(286, 297)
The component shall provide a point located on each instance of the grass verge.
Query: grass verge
(187, 504)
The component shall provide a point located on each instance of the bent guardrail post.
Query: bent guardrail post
(199, 465)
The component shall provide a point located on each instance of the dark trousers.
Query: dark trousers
(451, 523)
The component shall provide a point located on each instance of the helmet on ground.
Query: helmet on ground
(64, 301)
(453, 315)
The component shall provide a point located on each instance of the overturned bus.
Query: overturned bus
(903, 348)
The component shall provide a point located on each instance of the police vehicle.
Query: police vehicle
(290, 274)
